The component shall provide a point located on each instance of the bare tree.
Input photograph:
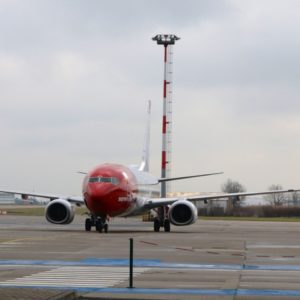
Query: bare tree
(232, 186)
(276, 199)
(294, 198)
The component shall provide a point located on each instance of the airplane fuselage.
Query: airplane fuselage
(111, 190)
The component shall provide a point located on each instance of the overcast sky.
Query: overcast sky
(75, 77)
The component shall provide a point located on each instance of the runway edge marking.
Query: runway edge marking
(212, 292)
(146, 263)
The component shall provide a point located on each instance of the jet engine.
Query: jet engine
(183, 212)
(59, 211)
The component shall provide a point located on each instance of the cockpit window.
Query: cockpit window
(112, 180)
(93, 179)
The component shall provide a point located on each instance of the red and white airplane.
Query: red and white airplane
(111, 190)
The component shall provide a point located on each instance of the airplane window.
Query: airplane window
(105, 179)
(93, 179)
(112, 180)
(115, 181)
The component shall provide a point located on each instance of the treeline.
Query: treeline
(277, 199)
(265, 211)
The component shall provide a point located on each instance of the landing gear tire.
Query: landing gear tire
(156, 225)
(105, 227)
(167, 226)
(88, 224)
(99, 226)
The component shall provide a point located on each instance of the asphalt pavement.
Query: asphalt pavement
(207, 260)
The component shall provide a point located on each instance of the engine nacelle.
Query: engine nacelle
(59, 211)
(183, 212)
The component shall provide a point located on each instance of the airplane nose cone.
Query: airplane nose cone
(99, 190)
(99, 194)
(103, 199)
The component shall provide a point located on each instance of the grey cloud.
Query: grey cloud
(75, 77)
(55, 24)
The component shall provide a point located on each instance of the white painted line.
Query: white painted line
(77, 276)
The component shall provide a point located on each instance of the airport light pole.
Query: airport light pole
(167, 40)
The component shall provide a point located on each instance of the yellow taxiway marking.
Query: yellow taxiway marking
(16, 240)
(24, 239)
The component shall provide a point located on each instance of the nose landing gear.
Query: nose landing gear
(99, 223)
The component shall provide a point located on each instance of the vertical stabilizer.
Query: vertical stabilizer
(144, 166)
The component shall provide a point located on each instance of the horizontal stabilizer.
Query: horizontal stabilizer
(187, 177)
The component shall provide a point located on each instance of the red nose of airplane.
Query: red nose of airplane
(100, 190)
(108, 190)
(105, 199)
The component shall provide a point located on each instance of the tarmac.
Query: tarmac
(207, 260)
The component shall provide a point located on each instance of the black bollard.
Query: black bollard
(131, 263)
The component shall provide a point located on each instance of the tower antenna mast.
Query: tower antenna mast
(167, 40)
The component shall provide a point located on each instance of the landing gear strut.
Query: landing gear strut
(161, 220)
(99, 223)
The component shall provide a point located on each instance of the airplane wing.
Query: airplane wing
(187, 177)
(158, 202)
(72, 199)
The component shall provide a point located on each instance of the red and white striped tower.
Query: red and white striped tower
(167, 40)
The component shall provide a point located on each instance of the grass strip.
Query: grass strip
(36, 211)
(260, 219)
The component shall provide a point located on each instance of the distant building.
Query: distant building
(7, 198)
(26, 201)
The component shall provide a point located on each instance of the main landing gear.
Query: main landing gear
(161, 220)
(99, 223)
